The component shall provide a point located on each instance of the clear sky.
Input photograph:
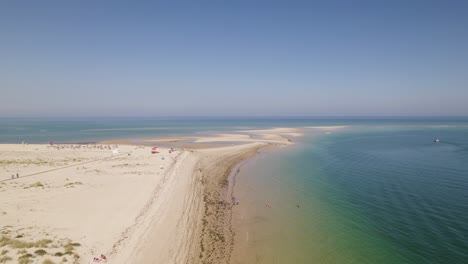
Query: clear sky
(243, 58)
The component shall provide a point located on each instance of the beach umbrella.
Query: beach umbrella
(154, 150)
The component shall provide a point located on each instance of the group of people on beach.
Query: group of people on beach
(13, 176)
(99, 259)
(82, 146)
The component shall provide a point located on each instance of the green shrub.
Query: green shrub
(40, 252)
(37, 184)
(26, 256)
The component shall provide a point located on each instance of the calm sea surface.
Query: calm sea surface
(63, 130)
(379, 191)
(366, 194)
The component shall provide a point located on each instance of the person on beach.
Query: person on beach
(99, 259)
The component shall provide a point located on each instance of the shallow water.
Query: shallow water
(366, 195)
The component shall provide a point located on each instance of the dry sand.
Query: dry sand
(89, 196)
(75, 203)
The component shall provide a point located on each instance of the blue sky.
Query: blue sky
(241, 58)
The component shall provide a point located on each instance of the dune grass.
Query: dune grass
(72, 184)
(40, 252)
(17, 243)
(5, 259)
(35, 162)
(25, 259)
(38, 246)
(36, 184)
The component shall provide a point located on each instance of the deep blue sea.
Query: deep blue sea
(378, 191)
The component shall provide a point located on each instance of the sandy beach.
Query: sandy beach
(73, 203)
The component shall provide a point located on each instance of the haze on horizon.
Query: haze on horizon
(243, 58)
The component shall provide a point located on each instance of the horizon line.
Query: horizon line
(249, 117)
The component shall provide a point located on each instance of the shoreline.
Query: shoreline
(217, 234)
(133, 207)
(177, 210)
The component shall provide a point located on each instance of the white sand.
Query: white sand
(137, 208)
(272, 136)
(283, 131)
(111, 198)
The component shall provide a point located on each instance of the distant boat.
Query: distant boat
(437, 140)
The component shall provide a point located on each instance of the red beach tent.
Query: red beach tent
(154, 150)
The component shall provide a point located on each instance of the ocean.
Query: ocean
(75, 130)
(378, 191)
(365, 194)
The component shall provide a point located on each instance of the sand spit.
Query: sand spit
(277, 131)
(327, 128)
(72, 203)
(278, 136)
(217, 234)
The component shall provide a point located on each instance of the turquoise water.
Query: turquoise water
(373, 194)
